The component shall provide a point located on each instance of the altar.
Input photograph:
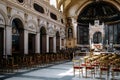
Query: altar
(96, 36)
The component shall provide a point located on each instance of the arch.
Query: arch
(17, 37)
(97, 37)
(3, 23)
(43, 40)
(32, 27)
(57, 41)
(4, 16)
(17, 17)
(43, 30)
(101, 10)
(82, 7)
(89, 2)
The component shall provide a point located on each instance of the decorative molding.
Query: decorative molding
(62, 33)
(50, 31)
(2, 21)
(9, 11)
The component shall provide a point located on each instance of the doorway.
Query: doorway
(43, 40)
(97, 37)
(17, 37)
(1, 42)
(31, 43)
(51, 44)
(57, 41)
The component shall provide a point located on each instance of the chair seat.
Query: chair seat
(83, 64)
(89, 67)
(77, 67)
(104, 68)
(116, 69)
(94, 65)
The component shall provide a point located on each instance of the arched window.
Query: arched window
(42, 31)
(97, 37)
(17, 36)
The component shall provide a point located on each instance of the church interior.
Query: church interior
(59, 39)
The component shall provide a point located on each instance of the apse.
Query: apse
(98, 10)
(106, 13)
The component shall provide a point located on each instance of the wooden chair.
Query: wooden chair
(89, 68)
(38, 60)
(31, 63)
(104, 67)
(77, 66)
(11, 65)
(115, 68)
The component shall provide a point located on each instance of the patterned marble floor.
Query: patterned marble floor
(54, 72)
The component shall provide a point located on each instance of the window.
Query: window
(38, 8)
(82, 35)
(97, 37)
(20, 1)
(53, 16)
(15, 37)
(112, 33)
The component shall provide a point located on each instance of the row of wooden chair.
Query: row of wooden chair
(99, 63)
(13, 63)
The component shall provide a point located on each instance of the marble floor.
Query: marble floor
(61, 71)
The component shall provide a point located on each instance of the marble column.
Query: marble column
(8, 40)
(47, 45)
(54, 44)
(74, 22)
(37, 50)
(25, 42)
(4, 46)
(60, 43)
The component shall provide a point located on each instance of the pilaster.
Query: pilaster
(37, 43)
(54, 45)
(25, 42)
(8, 40)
